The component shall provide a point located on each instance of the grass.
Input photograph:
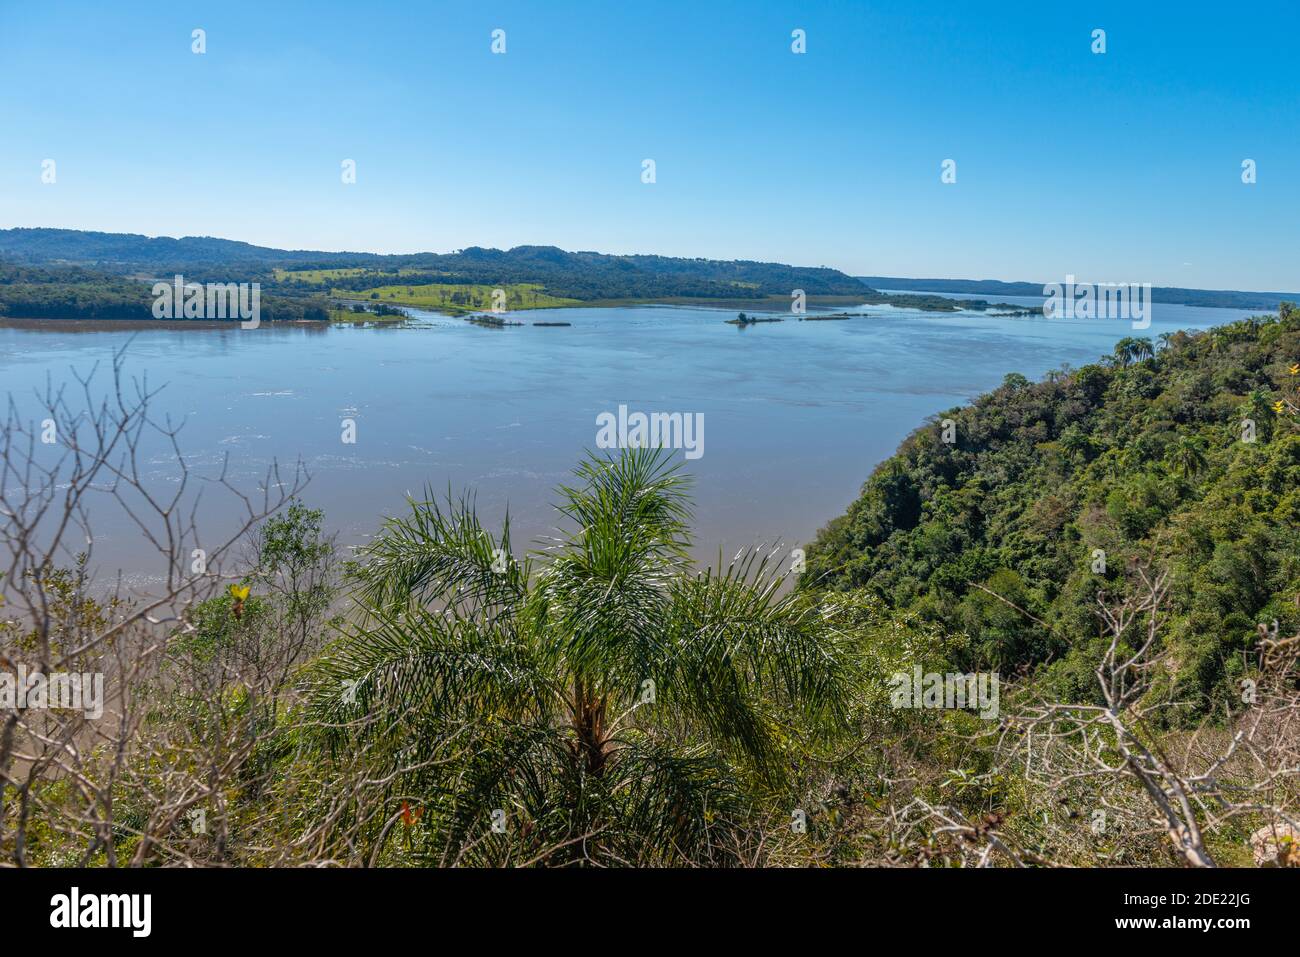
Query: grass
(458, 299)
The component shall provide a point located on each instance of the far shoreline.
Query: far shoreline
(769, 306)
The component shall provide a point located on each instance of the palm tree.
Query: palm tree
(600, 701)
(1188, 456)
(1124, 351)
(1141, 349)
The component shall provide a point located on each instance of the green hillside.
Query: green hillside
(1144, 456)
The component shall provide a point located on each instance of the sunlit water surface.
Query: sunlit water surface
(796, 413)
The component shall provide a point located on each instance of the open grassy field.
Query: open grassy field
(457, 298)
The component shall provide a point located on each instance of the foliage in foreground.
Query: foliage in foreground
(603, 703)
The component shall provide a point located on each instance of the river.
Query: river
(796, 414)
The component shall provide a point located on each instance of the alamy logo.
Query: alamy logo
(1107, 300)
(213, 300)
(659, 430)
(978, 691)
(103, 910)
(59, 690)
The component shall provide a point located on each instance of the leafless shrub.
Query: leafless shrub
(1141, 777)
(121, 786)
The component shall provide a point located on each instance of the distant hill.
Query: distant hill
(1175, 295)
(45, 246)
(569, 275)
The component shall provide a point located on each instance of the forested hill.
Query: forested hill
(573, 275)
(46, 246)
(64, 273)
(1144, 456)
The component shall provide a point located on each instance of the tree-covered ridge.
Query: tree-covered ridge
(1144, 456)
(74, 292)
(68, 274)
(566, 275)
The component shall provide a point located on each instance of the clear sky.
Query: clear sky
(1122, 166)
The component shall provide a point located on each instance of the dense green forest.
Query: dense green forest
(1147, 456)
(74, 292)
(575, 275)
(58, 273)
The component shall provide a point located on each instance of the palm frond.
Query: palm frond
(753, 660)
(440, 553)
(604, 590)
(436, 666)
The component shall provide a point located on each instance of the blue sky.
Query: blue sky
(1124, 166)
